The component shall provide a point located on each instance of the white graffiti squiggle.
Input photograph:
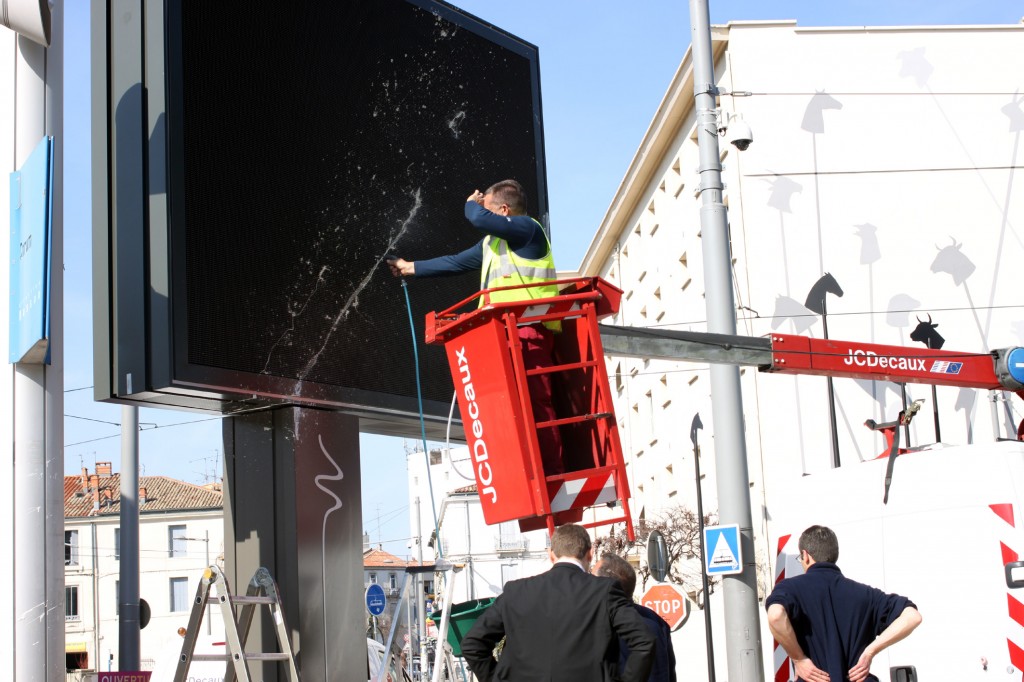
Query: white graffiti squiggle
(339, 475)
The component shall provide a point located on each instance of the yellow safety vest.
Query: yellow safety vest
(503, 267)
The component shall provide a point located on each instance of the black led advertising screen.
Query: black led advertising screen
(304, 143)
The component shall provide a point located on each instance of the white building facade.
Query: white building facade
(885, 157)
(181, 531)
(491, 555)
(883, 171)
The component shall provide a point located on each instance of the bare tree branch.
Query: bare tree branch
(682, 532)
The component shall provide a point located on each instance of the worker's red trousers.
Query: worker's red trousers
(538, 348)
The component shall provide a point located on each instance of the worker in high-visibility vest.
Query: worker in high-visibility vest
(515, 250)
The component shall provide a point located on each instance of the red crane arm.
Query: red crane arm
(793, 354)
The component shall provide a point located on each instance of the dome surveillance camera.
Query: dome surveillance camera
(740, 133)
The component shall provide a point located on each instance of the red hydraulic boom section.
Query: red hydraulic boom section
(791, 354)
(486, 362)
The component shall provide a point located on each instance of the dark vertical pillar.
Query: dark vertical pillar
(292, 503)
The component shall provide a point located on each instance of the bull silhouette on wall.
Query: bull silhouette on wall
(925, 333)
(952, 261)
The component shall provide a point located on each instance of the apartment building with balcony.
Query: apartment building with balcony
(181, 531)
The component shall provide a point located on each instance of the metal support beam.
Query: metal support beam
(667, 344)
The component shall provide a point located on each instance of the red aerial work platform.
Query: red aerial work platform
(485, 356)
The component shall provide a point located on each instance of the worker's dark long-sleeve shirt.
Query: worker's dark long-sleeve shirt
(523, 234)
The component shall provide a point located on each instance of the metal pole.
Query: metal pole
(209, 606)
(993, 398)
(831, 392)
(469, 553)
(935, 414)
(406, 588)
(906, 426)
(95, 598)
(128, 655)
(34, 464)
(742, 624)
(703, 550)
(417, 599)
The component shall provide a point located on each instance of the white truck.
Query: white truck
(950, 537)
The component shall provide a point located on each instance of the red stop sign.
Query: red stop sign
(669, 602)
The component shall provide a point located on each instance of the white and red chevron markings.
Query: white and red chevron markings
(780, 659)
(1014, 607)
(582, 492)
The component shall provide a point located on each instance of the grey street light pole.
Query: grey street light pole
(129, 655)
(742, 623)
(695, 425)
(207, 617)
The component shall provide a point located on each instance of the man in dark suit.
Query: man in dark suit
(560, 625)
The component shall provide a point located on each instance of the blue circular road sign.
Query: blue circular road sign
(375, 599)
(1015, 364)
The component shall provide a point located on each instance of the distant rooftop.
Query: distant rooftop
(378, 558)
(99, 494)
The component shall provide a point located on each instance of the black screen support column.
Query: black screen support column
(292, 504)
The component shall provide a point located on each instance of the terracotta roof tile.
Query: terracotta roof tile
(378, 558)
(162, 494)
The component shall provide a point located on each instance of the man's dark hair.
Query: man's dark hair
(614, 566)
(510, 192)
(821, 543)
(570, 541)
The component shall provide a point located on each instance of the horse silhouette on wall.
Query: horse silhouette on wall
(1015, 113)
(827, 284)
(790, 309)
(814, 120)
(915, 65)
(782, 191)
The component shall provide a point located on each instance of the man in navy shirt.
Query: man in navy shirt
(514, 251)
(831, 627)
(664, 666)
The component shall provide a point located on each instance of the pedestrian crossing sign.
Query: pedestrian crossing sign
(722, 554)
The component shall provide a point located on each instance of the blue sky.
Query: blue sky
(604, 68)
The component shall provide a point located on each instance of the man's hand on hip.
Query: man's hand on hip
(806, 670)
(859, 672)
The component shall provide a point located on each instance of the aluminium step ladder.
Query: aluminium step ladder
(262, 591)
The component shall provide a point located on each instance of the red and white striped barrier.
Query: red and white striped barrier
(1009, 551)
(781, 661)
(582, 492)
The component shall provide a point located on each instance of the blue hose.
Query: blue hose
(423, 426)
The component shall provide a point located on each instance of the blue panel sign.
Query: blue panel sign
(1015, 364)
(375, 599)
(31, 218)
(722, 555)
